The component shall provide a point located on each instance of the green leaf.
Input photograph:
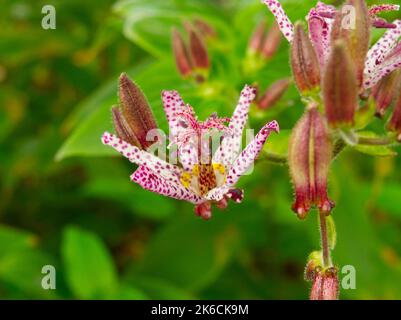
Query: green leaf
(89, 267)
(191, 264)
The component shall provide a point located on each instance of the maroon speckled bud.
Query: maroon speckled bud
(340, 90)
(395, 120)
(271, 41)
(182, 57)
(198, 50)
(205, 29)
(305, 65)
(353, 27)
(135, 119)
(309, 158)
(386, 91)
(325, 285)
(273, 94)
(256, 41)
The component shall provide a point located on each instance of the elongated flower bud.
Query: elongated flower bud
(136, 118)
(205, 28)
(395, 120)
(198, 49)
(386, 91)
(273, 94)
(340, 91)
(271, 42)
(325, 285)
(309, 157)
(182, 57)
(352, 24)
(305, 65)
(123, 130)
(256, 41)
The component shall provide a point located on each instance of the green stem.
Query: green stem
(382, 141)
(273, 158)
(324, 240)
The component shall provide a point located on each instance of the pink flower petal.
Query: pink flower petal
(283, 21)
(148, 180)
(376, 9)
(159, 167)
(319, 32)
(230, 146)
(326, 9)
(379, 52)
(251, 152)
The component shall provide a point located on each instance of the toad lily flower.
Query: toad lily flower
(324, 28)
(197, 180)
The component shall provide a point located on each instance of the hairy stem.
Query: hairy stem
(324, 240)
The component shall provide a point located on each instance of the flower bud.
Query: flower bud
(182, 57)
(271, 42)
(136, 118)
(340, 91)
(305, 65)
(205, 28)
(273, 94)
(309, 157)
(395, 120)
(256, 41)
(352, 24)
(386, 91)
(325, 285)
(198, 49)
(204, 210)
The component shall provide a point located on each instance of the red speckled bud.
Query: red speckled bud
(273, 94)
(309, 158)
(352, 25)
(256, 41)
(340, 91)
(271, 42)
(135, 119)
(305, 65)
(325, 285)
(395, 120)
(386, 91)
(205, 28)
(182, 57)
(198, 50)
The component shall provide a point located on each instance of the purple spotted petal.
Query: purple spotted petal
(284, 23)
(148, 180)
(376, 9)
(374, 67)
(319, 32)
(173, 105)
(326, 10)
(230, 146)
(249, 155)
(135, 155)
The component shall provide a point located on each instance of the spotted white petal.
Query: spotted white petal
(148, 180)
(140, 157)
(284, 23)
(379, 52)
(319, 33)
(230, 146)
(247, 158)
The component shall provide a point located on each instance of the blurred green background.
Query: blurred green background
(65, 201)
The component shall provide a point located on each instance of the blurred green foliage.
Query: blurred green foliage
(63, 203)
